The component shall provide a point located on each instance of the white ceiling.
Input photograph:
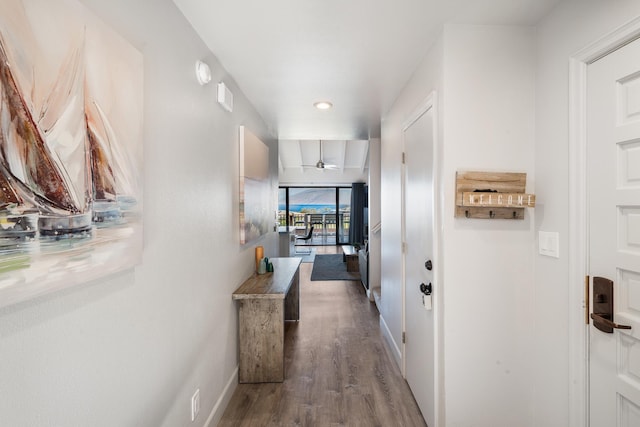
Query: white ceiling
(287, 54)
(342, 155)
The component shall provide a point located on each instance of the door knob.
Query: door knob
(425, 289)
(428, 265)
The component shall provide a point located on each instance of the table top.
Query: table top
(273, 285)
(349, 250)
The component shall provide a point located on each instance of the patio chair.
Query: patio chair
(305, 239)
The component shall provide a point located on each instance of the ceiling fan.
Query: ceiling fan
(320, 164)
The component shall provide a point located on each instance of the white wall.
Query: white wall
(130, 350)
(374, 214)
(506, 336)
(488, 326)
(572, 26)
(426, 78)
(485, 79)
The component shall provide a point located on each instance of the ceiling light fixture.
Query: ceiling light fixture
(203, 73)
(323, 105)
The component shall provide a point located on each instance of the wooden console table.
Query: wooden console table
(266, 301)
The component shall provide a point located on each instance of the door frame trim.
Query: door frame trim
(578, 226)
(429, 103)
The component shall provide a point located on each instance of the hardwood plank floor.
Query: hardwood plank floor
(338, 371)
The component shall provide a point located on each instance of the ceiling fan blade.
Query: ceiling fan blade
(320, 164)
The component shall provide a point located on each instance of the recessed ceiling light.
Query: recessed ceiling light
(323, 105)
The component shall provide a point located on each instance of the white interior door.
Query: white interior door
(613, 151)
(419, 347)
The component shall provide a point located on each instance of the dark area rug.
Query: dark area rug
(331, 267)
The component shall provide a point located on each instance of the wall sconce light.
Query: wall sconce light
(225, 97)
(203, 73)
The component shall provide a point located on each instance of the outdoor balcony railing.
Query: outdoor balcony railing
(326, 225)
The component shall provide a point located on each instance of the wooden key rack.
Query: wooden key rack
(492, 195)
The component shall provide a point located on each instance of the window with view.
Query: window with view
(326, 209)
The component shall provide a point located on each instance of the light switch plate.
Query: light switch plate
(549, 243)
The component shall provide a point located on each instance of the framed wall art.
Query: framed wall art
(70, 148)
(255, 188)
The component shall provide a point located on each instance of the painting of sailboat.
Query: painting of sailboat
(70, 148)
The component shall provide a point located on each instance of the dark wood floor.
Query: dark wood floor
(337, 368)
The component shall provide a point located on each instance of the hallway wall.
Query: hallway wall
(374, 215)
(427, 78)
(489, 100)
(535, 312)
(130, 350)
(485, 81)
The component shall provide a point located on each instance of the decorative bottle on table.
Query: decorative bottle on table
(262, 266)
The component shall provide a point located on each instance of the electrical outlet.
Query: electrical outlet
(195, 404)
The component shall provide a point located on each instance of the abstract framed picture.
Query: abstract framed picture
(255, 188)
(70, 148)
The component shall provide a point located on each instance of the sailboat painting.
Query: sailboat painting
(70, 149)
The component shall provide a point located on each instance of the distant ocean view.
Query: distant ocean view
(314, 200)
(310, 208)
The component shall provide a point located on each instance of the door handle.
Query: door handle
(609, 323)
(603, 306)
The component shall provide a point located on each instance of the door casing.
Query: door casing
(438, 194)
(578, 226)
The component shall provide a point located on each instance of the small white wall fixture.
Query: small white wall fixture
(203, 72)
(225, 97)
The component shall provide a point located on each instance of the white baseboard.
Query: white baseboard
(223, 400)
(375, 294)
(368, 293)
(393, 347)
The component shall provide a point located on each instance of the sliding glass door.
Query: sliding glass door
(325, 209)
(344, 214)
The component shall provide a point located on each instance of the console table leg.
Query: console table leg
(292, 300)
(261, 334)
